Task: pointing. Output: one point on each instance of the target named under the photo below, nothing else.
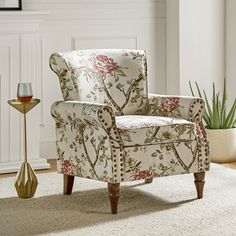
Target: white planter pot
(222, 144)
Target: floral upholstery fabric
(164, 159)
(115, 77)
(109, 128)
(145, 130)
(184, 107)
(189, 108)
(86, 139)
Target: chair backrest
(113, 76)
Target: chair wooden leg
(148, 181)
(114, 194)
(68, 184)
(199, 183)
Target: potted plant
(220, 125)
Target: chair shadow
(56, 213)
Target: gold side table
(26, 181)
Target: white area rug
(165, 207)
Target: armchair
(108, 127)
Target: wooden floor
(230, 165)
(53, 168)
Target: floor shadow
(57, 213)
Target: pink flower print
(168, 105)
(104, 65)
(200, 130)
(67, 167)
(143, 174)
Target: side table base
(26, 181)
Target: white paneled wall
(81, 24)
(20, 60)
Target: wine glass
(24, 91)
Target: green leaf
(228, 123)
(214, 109)
(231, 121)
(190, 85)
(207, 120)
(116, 78)
(154, 154)
(215, 115)
(121, 72)
(120, 87)
(224, 98)
(199, 92)
(137, 164)
(209, 110)
(217, 112)
(126, 137)
(234, 123)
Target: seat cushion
(146, 130)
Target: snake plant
(216, 116)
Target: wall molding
(106, 2)
(102, 11)
(15, 166)
(75, 40)
(20, 60)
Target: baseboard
(38, 164)
(48, 149)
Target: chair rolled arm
(186, 107)
(84, 113)
(86, 133)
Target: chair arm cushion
(84, 113)
(189, 108)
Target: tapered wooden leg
(68, 184)
(148, 181)
(114, 194)
(199, 183)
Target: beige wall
(172, 47)
(231, 48)
(201, 43)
